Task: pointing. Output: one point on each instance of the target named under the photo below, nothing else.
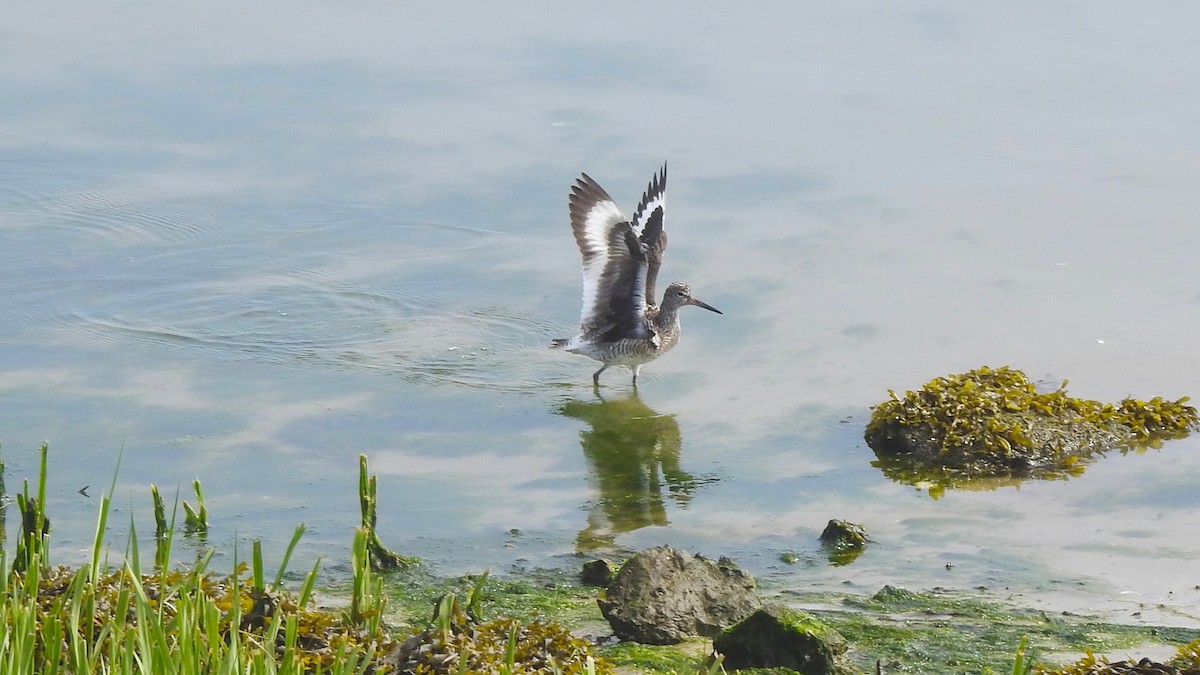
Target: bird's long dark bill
(710, 308)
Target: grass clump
(177, 621)
(97, 619)
(100, 619)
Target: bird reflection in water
(632, 453)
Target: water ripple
(116, 220)
(299, 324)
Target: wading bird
(620, 325)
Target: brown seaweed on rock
(992, 424)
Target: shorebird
(620, 325)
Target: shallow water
(248, 244)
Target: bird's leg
(635, 369)
(596, 375)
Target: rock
(992, 422)
(663, 596)
(777, 636)
(597, 573)
(843, 541)
(895, 595)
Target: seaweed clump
(993, 422)
(458, 642)
(1186, 662)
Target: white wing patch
(597, 254)
(653, 199)
(614, 266)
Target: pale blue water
(246, 244)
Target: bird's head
(679, 294)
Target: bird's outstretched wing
(614, 266)
(648, 226)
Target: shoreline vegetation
(394, 616)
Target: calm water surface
(247, 244)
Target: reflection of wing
(614, 266)
(648, 226)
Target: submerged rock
(597, 572)
(843, 541)
(777, 636)
(993, 422)
(663, 596)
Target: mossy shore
(393, 614)
(901, 631)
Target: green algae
(536, 595)
(685, 657)
(993, 423)
(972, 632)
(936, 631)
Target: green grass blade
(306, 588)
(256, 556)
(287, 556)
